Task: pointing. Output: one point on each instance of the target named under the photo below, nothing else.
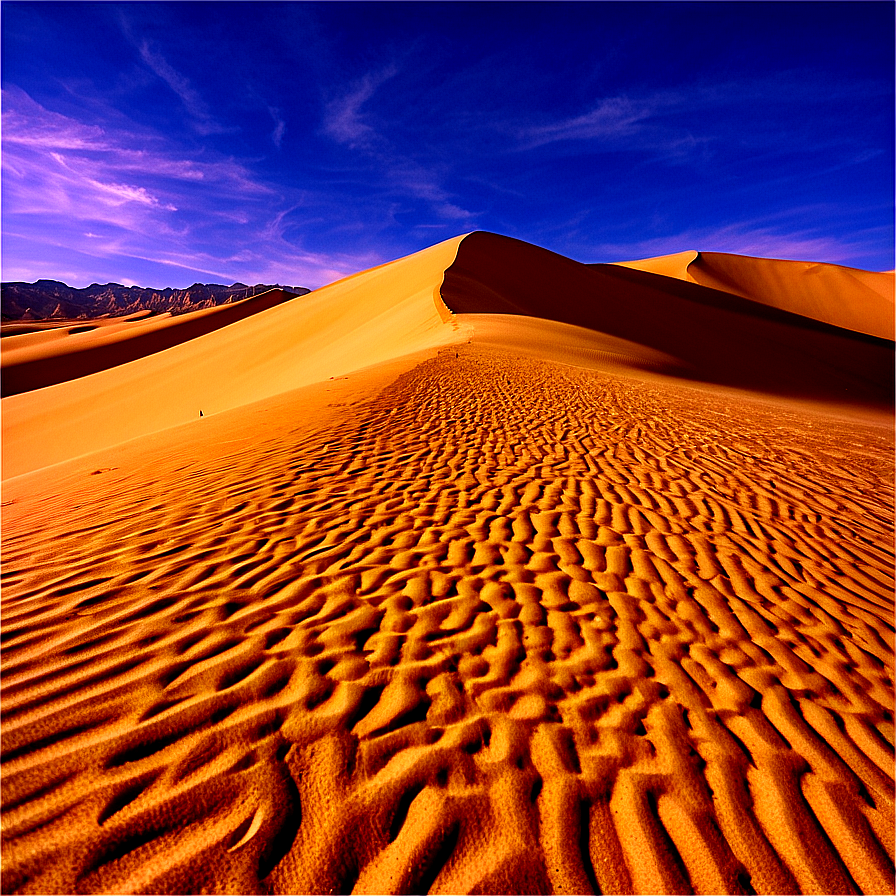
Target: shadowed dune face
(715, 336)
(861, 301)
(508, 610)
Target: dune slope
(44, 358)
(500, 612)
(713, 335)
(367, 318)
(861, 301)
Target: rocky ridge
(54, 300)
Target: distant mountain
(53, 300)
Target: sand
(42, 355)
(856, 300)
(532, 602)
(365, 319)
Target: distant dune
(856, 300)
(50, 355)
(482, 571)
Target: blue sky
(167, 143)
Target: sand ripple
(508, 627)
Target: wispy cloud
(610, 119)
(126, 193)
(344, 118)
(27, 122)
(88, 191)
(406, 179)
(397, 180)
(677, 122)
(279, 127)
(56, 165)
(203, 120)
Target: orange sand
(39, 356)
(846, 297)
(584, 587)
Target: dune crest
(862, 301)
(674, 265)
(364, 319)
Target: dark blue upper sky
(165, 143)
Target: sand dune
(713, 335)
(365, 319)
(845, 297)
(508, 605)
(57, 354)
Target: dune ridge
(364, 319)
(515, 606)
(862, 301)
(46, 357)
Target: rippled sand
(472, 619)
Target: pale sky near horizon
(161, 144)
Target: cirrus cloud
(85, 189)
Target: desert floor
(469, 619)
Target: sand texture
(503, 601)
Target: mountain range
(54, 300)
